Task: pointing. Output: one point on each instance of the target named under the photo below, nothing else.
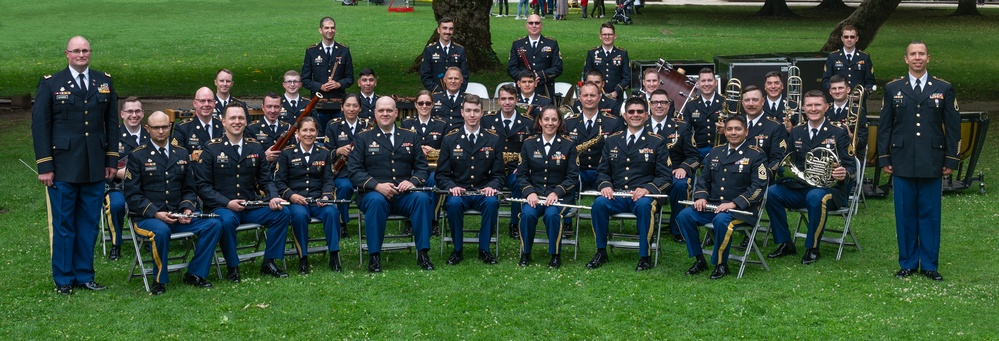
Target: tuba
(732, 104)
(793, 106)
(819, 165)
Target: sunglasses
(424, 104)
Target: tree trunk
(867, 18)
(471, 30)
(832, 5)
(967, 7)
(776, 9)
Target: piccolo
(542, 202)
(327, 201)
(193, 215)
(622, 194)
(715, 207)
(261, 203)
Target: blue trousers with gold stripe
(158, 232)
(917, 222)
(689, 220)
(116, 214)
(277, 231)
(455, 208)
(677, 192)
(344, 191)
(817, 200)
(553, 226)
(74, 211)
(415, 205)
(643, 209)
(300, 217)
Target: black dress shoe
(232, 274)
(678, 238)
(745, 242)
(269, 268)
(64, 289)
(699, 265)
(902, 273)
(157, 289)
(197, 281)
(456, 257)
(514, 231)
(335, 261)
(933, 274)
(374, 263)
(567, 230)
(720, 271)
(782, 250)
(92, 286)
(598, 259)
(303, 265)
(525, 259)
(555, 262)
(644, 263)
(487, 257)
(115, 252)
(435, 228)
(423, 260)
(343, 231)
(708, 241)
(407, 228)
(811, 256)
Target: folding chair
(468, 236)
(477, 89)
(847, 212)
(105, 226)
(629, 241)
(259, 234)
(573, 240)
(564, 90)
(751, 246)
(496, 92)
(142, 267)
(408, 239)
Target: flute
(622, 194)
(468, 193)
(327, 201)
(193, 215)
(715, 207)
(542, 202)
(261, 203)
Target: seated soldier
(636, 162)
(131, 135)
(340, 135)
(799, 193)
(303, 175)
(384, 165)
(589, 130)
(471, 169)
(159, 185)
(431, 132)
(734, 177)
(513, 127)
(682, 153)
(232, 172)
(268, 130)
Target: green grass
(170, 48)
(159, 48)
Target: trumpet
(260, 203)
(714, 207)
(541, 202)
(621, 194)
(732, 104)
(819, 165)
(193, 215)
(793, 106)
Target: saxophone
(582, 147)
(731, 106)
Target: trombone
(793, 107)
(731, 106)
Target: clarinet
(261, 203)
(715, 207)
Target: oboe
(622, 194)
(193, 215)
(715, 207)
(542, 202)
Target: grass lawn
(170, 48)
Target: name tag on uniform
(435, 56)
(296, 162)
(62, 95)
(373, 148)
(537, 155)
(319, 60)
(149, 167)
(696, 114)
(222, 159)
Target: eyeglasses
(424, 104)
(132, 112)
(636, 112)
(80, 52)
(534, 23)
(607, 34)
(292, 82)
(659, 102)
(166, 127)
(204, 101)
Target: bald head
(204, 103)
(158, 126)
(385, 112)
(78, 53)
